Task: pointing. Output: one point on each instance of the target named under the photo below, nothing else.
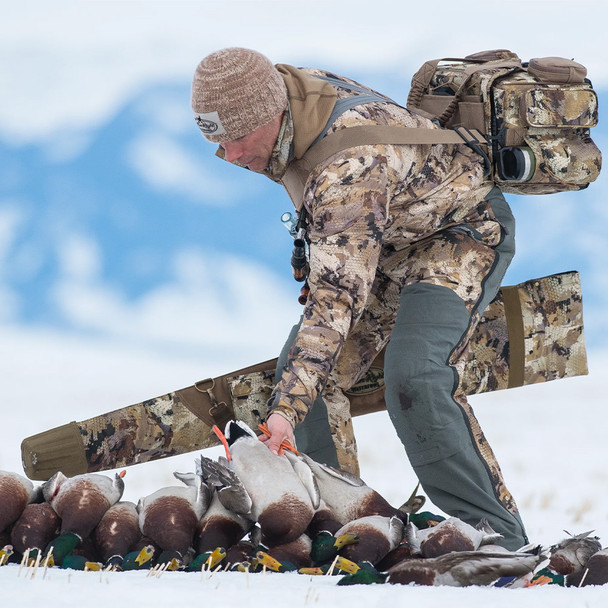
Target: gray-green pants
(431, 416)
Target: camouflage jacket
(366, 207)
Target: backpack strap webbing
(298, 171)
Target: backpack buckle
(472, 141)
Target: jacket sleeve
(348, 201)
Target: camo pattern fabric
(367, 206)
(554, 342)
(553, 333)
(555, 125)
(553, 119)
(153, 429)
(250, 393)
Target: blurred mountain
(137, 228)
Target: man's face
(254, 149)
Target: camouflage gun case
(532, 332)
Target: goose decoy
(464, 568)
(451, 534)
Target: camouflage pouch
(534, 118)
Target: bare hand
(280, 430)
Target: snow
(549, 440)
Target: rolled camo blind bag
(531, 332)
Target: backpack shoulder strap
(298, 171)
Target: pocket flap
(560, 107)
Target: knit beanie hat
(234, 92)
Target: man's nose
(232, 151)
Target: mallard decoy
(595, 571)
(425, 519)
(325, 546)
(452, 534)
(208, 560)
(464, 568)
(277, 498)
(219, 526)
(117, 532)
(5, 554)
(16, 492)
(296, 553)
(80, 562)
(82, 500)
(323, 521)
(170, 515)
(37, 526)
(238, 556)
(571, 555)
(401, 552)
(364, 576)
(139, 559)
(377, 534)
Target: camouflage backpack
(534, 117)
(529, 121)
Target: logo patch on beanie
(209, 123)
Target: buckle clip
(471, 140)
(218, 409)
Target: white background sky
(70, 63)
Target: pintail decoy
(219, 526)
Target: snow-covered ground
(549, 439)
